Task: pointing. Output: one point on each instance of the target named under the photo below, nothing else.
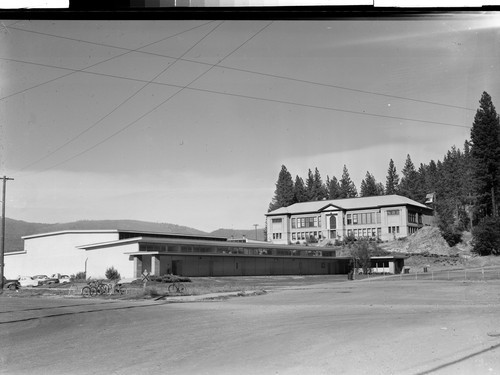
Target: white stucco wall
(56, 253)
(99, 260)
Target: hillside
(15, 229)
(428, 240)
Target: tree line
(464, 185)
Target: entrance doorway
(177, 267)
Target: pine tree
(284, 194)
(320, 189)
(333, 188)
(347, 187)
(380, 188)
(485, 152)
(310, 187)
(408, 184)
(392, 181)
(369, 186)
(299, 190)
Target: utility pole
(2, 242)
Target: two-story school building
(384, 217)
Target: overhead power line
(157, 106)
(236, 69)
(100, 62)
(118, 106)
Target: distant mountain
(239, 233)
(15, 229)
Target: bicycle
(176, 287)
(95, 287)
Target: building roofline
(139, 232)
(70, 231)
(335, 202)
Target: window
(293, 223)
(294, 236)
(412, 217)
(378, 218)
(276, 236)
(379, 232)
(392, 212)
(354, 218)
(276, 221)
(349, 219)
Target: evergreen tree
(408, 184)
(320, 189)
(310, 187)
(485, 152)
(380, 188)
(392, 180)
(283, 195)
(333, 188)
(450, 207)
(347, 187)
(431, 177)
(369, 186)
(315, 189)
(299, 190)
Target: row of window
(412, 230)
(365, 232)
(277, 236)
(296, 236)
(414, 218)
(306, 222)
(364, 218)
(393, 229)
(235, 250)
(392, 212)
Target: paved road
(338, 328)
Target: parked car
(63, 279)
(10, 284)
(45, 280)
(28, 281)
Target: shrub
(79, 276)
(486, 237)
(451, 236)
(112, 274)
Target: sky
(189, 122)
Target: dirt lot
(302, 325)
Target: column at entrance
(137, 266)
(155, 265)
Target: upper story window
(307, 222)
(412, 217)
(392, 212)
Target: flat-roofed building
(132, 253)
(385, 217)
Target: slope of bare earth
(427, 247)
